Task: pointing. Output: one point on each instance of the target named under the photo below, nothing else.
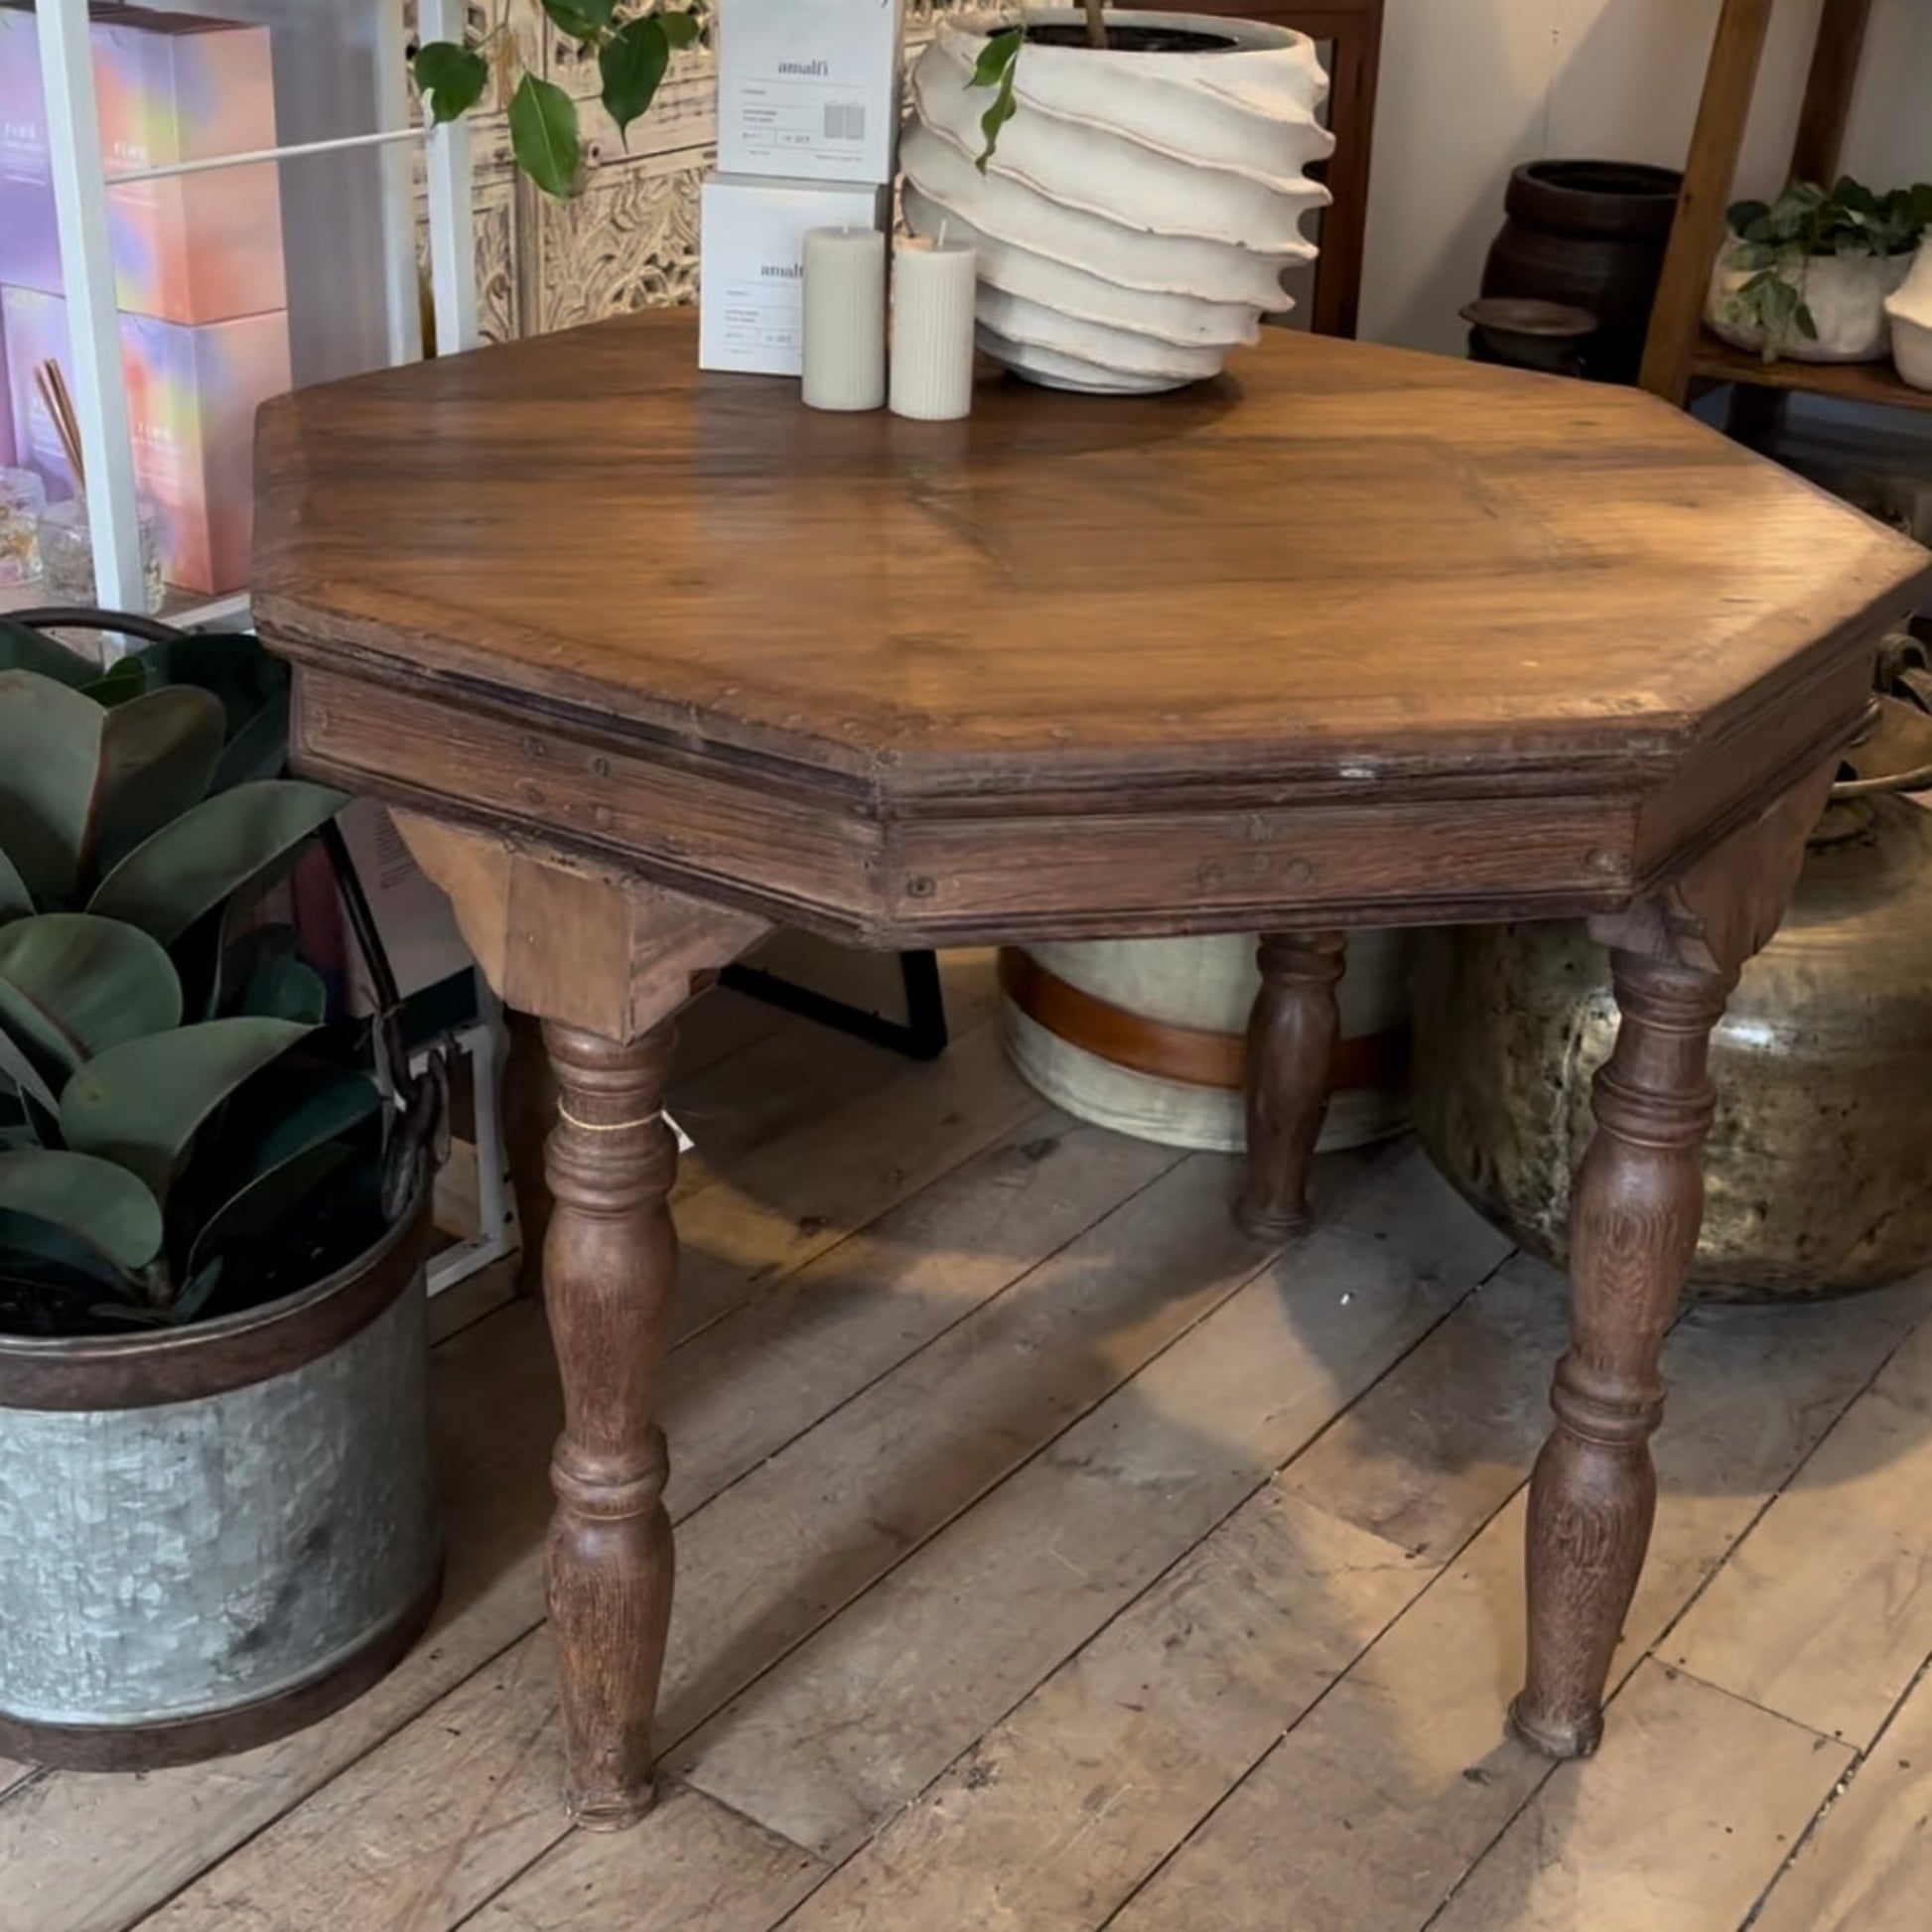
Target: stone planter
(1135, 221)
(1846, 295)
(212, 1536)
(1146, 1036)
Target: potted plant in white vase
(1807, 276)
(1132, 181)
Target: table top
(1338, 572)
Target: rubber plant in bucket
(1132, 183)
(217, 1521)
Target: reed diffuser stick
(53, 386)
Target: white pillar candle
(932, 329)
(845, 318)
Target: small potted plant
(217, 1521)
(1132, 183)
(1807, 276)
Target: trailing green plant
(632, 41)
(1776, 242)
(172, 1105)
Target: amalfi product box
(193, 395)
(751, 265)
(809, 90)
(172, 88)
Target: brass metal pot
(1819, 1171)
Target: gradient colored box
(193, 395)
(172, 88)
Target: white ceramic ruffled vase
(1134, 223)
(1909, 310)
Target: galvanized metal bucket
(213, 1536)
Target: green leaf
(128, 679)
(450, 77)
(259, 750)
(46, 1254)
(999, 61)
(583, 20)
(996, 57)
(50, 752)
(158, 753)
(681, 29)
(139, 1104)
(229, 663)
(29, 1082)
(285, 989)
(242, 957)
(93, 1201)
(632, 64)
(207, 854)
(543, 135)
(289, 1121)
(23, 649)
(15, 898)
(73, 985)
(79, 783)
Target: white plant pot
(1134, 221)
(1846, 295)
(1909, 310)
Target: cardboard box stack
(808, 108)
(198, 263)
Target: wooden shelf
(1868, 382)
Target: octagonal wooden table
(649, 661)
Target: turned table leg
(1633, 1230)
(1293, 1034)
(529, 1111)
(610, 1272)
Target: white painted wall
(1472, 87)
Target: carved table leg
(1293, 1034)
(529, 1111)
(1638, 1205)
(610, 1271)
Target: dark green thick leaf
(44, 1252)
(49, 752)
(242, 957)
(259, 750)
(15, 898)
(128, 679)
(93, 1201)
(139, 1104)
(199, 1293)
(28, 1082)
(212, 852)
(276, 1129)
(73, 985)
(285, 989)
(543, 135)
(632, 64)
(229, 663)
(451, 78)
(158, 753)
(680, 28)
(22, 649)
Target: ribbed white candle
(845, 318)
(932, 329)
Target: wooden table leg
(1633, 1230)
(529, 1112)
(1293, 1034)
(610, 1273)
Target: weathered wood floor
(1050, 1558)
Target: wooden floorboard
(1053, 1559)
